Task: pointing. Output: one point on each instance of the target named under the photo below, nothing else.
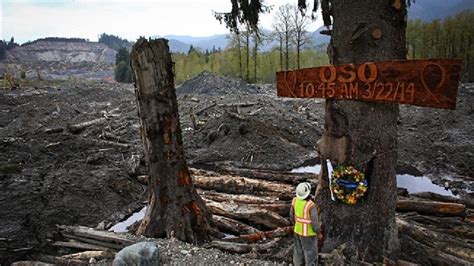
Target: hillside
(428, 10)
(60, 60)
(67, 52)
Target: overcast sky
(31, 19)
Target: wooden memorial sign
(427, 82)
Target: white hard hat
(303, 190)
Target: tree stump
(174, 207)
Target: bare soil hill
(60, 60)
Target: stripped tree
(174, 208)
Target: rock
(142, 253)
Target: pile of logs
(245, 201)
(251, 207)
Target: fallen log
(279, 176)
(106, 245)
(256, 215)
(243, 185)
(443, 198)
(79, 245)
(241, 247)
(455, 226)
(238, 198)
(252, 238)
(30, 263)
(61, 261)
(440, 258)
(230, 225)
(444, 243)
(53, 130)
(200, 111)
(242, 104)
(83, 233)
(112, 143)
(77, 128)
(281, 208)
(87, 255)
(431, 207)
(109, 136)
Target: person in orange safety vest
(304, 215)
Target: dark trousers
(305, 251)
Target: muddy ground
(52, 173)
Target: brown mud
(53, 173)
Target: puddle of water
(413, 184)
(416, 184)
(122, 226)
(307, 169)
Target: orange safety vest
(301, 211)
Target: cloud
(29, 19)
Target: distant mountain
(428, 10)
(318, 38)
(178, 46)
(182, 43)
(220, 41)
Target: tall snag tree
(283, 24)
(244, 12)
(174, 207)
(362, 134)
(301, 34)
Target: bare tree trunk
(247, 50)
(287, 48)
(173, 204)
(298, 48)
(363, 134)
(240, 55)
(255, 49)
(281, 54)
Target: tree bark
(173, 204)
(363, 134)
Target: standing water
(412, 183)
(122, 226)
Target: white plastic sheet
(330, 170)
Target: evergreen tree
(114, 42)
(122, 71)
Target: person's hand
(320, 236)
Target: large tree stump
(363, 134)
(173, 204)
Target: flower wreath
(348, 184)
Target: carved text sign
(429, 82)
